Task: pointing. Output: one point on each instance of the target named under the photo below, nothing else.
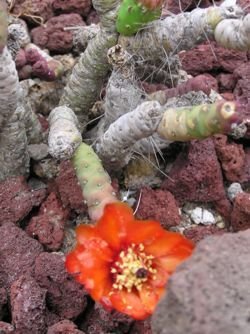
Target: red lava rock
(20, 59)
(224, 208)
(64, 327)
(18, 253)
(25, 72)
(103, 322)
(53, 36)
(142, 327)
(158, 205)
(228, 96)
(28, 8)
(231, 157)
(196, 175)
(17, 199)
(65, 297)
(69, 189)
(3, 301)
(240, 218)
(210, 57)
(27, 301)
(197, 233)
(242, 91)
(48, 226)
(226, 82)
(6, 328)
(92, 18)
(81, 7)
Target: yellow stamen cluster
(130, 263)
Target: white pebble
(202, 216)
(233, 190)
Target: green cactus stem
(3, 25)
(198, 122)
(94, 180)
(134, 15)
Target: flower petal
(167, 243)
(149, 297)
(144, 232)
(114, 223)
(170, 262)
(72, 264)
(160, 278)
(85, 232)
(129, 303)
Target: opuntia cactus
(133, 15)
(94, 180)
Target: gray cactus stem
(85, 83)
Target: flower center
(133, 268)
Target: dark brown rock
(231, 157)
(240, 218)
(65, 297)
(158, 205)
(242, 90)
(198, 233)
(69, 189)
(209, 292)
(226, 82)
(196, 175)
(18, 253)
(48, 226)
(211, 57)
(104, 322)
(35, 11)
(3, 302)
(27, 301)
(20, 59)
(81, 7)
(53, 36)
(142, 327)
(64, 327)
(17, 199)
(6, 328)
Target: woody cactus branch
(174, 124)
(64, 135)
(234, 34)
(17, 124)
(85, 83)
(178, 32)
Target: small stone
(202, 216)
(38, 151)
(233, 190)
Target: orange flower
(125, 263)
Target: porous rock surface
(210, 292)
(64, 327)
(28, 306)
(240, 218)
(216, 58)
(66, 297)
(53, 36)
(18, 253)
(196, 174)
(48, 225)
(158, 205)
(17, 199)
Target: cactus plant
(135, 14)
